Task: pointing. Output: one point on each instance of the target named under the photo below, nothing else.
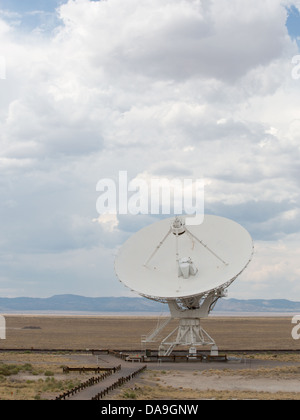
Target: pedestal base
(189, 312)
(189, 333)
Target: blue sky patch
(31, 15)
(22, 6)
(293, 23)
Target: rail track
(129, 351)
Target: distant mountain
(80, 303)
(75, 303)
(257, 305)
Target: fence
(154, 357)
(97, 369)
(95, 380)
(118, 383)
(92, 381)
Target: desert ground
(125, 332)
(26, 374)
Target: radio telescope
(188, 267)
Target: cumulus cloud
(191, 89)
(177, 40)
(274, 273)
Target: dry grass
(25, 376)
(153, 385)
(96, 332)
(48, 388)
(284, 372)
(44, 360)
(159, 392)
(77, 332)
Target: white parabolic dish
(219, 248)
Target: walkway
(127, 368)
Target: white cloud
(171, 88)
(108, 221)
(176, 40)
(274, 271)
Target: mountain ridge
(70, 302)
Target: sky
(198, 89)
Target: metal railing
(118, 383)
(92, 381)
